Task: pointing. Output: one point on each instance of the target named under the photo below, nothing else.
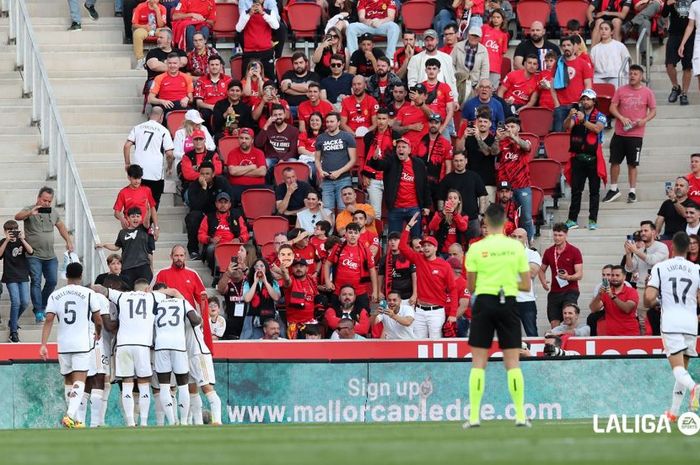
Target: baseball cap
(394, 235)
(366, 36)
(404, 140)
(590, 93)
(194, 116)
(430, 33)
(455, 263)
(475, 31)
(504, 185)
(299, 261)
(435, 117)
(197, 134)
(223, 195)
(429, 240)
(269, 83)
(420, 88)
(246, 131)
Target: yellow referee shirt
(497, 261)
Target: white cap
(194, 116)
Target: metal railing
(646, 37)
(54, 142)
(622, 73)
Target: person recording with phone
(671, 215)
(619, 303)
(261, 293)
(230, 286)
(256, 25)
(14, 250)
(396, 319)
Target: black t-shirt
(162, 56)
(676, 24)
(401, 280)
(470, 185)
(673, 221)
(136, 245)
(483, 165)
(296, 201)
(101, 279)
(295, 100)
(363, 65)
(526, 47)
(614, 6)
(244, 117)
(16, 267)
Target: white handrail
(644, 35)
(54, 142)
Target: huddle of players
(136, 333)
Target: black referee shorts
(489, 316)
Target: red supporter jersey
(406, 195)
(496, 43)
(434, 154)
(382, 142)
(368, 239)
(257, 34)
(305, 110)
(519, 86)
(141, 197)
(238, 157)
(400, 56)
(172, 88)
(222, 230)
(565, 260)
(309, 255)
(353, 263)
(359, 113)
(619, 323)
(309, 289)
(513, 164)
(306, 141)
(143, 10)
(320, 246)
(206, 8)
(408, 115)
(579, 69)
(376, 9)
(211, 92)
(545, 97)
(693, 188)
(443, 97)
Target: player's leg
(208, 388)
(96, 395)
(480, 340)
(144, 385)
(163, 368)
(105, 401)
(125, 371)
(76, 394)
(181, 368)
(195, 405)
(678, 348)
(85, 399)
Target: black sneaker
(611, 196)
(631, 197)
(93, 12)
(628, 28)
(684, 99)
(673, 96)
(75, 27)
(118, 14)
(14, 337)
(195, 256)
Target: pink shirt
(633, 104)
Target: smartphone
(668, 185)
(630, 238)
(606, 283)
(14, 233)
(44, 210)
(501, 125)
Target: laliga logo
(688, 424)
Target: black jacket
(392, 168)
(205, 200)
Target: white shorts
(202, 370)
(675, 343)
(69, 363)
(133, 361)
(99, 362)
(167, 361)
(696, 65)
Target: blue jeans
(462, 326)
(331, 192)
(118, 5)
(74, 8)
(49, 270)
(19, 299)
(443, 18)
(560, 114)
(390, 30)
(189, 35)
(399, 216)
(523, 197)
(528, 316)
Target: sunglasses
(333, 36)
(336, 65)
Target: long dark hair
(309, 131)
(251, 272)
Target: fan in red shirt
(348, 307)
(620, 305)
(262, 105)
(450, 226)
(189, 165)
(513, 156)
(190, 16)
(354, 266)
(367, 238)
(136, 195)
(694, 178)
(436, 153)
(173, 89)
(404, 54)
(304, 250)
(412, 120)
(380, 141)
(545, 80)
(494, 37)
(359, 109)
(519, 87)
(300, 292)
(314, 104)
(580, 74)
(222, 226)
(439, 98)
(211, 88)
(246, 164)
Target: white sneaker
(140, 63)
(523, 424)
(467, 424)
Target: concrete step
(62, 61)
(122, 87)
(53, 9)
(88, 118)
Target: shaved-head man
(535, 44)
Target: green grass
(548, 442)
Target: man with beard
(470, 187)
(278, 140)
(300, 292)
(411, 121)
(399, 94)
(440, 98)
(295, 82)
(338, 83)
(580, 75)
(536, 45)
(246, 165)
(358, 111)
(404, 54)
(620, 305)
(231, 113)
(363, 61)
(436, 153)
(381, 84)
(504, 197)
(348, 309)
(478, 144)
(519, 88)
(396, 318)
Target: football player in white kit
(172, 315)
(675, 284)
(74, 306)
(201, 375)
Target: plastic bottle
(151, 24)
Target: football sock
(633, 190)
(682, 376)
(76, 396)
(613, 187)
(677, 398)
(215, 406)
(196, 409)
(183, 402)
(166, 402)
(128, 403)
(477, 377)
(67, 388)
(96, 408)
(82, 410)
(516, 386)
(105, 402)
(144, 402)
(160, 414)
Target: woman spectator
(253, 83)
(183, 136)
(230, 286)
(450, 226)
(693, 254)
(260, 292)
(313, 213)
(307, 141)
(342, 13)
(495, 38)
(332, 45)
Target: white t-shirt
(103, 305)
(532, 257)
(171, 314)
(608, 58)
(677, 280)
(73, 306)
(694, 14)
(151, 139)
(136, 316)
(307, 220)
(218, 327)
(395, 330)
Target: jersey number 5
(69, 314)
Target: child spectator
(548, 95)
(138, 196)
(217, 323)
(14, 250)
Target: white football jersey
(136, 311)
(677, 280)
(150, 140)
(171, 321)
(195, 340)
(73, 306)
(103, 305)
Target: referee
(497, 269)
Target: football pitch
(497, 442)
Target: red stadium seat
(265, 228)
(669, 244)
(361, 196)
(300, 168)
(257, 203)
(304, 19)
(556, 146)
(546, 174)
(236, 64)
(537, 208)
(282, 65)
(571, 9)
(267, 249)
(506, 67)
(225, 25)
(418, 15)
(534, 144)
(604, 92)
(529, 11)
(226, 144)
(537, 120)
(223, 254)
(174, 120)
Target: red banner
(381, 350)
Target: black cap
(299, 261)
(366, 36)
(435, 117)
(394, 235)
(420, 88)
(504, 185)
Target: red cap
(246, 131)
(198, 134)
(403, 139)
(429, 240)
